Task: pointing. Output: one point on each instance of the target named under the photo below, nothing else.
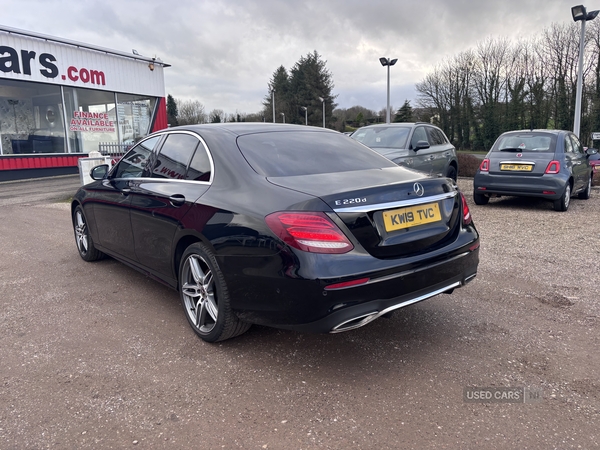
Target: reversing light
(309, 231)
(553, 167)
(485, 165)
(466, 212)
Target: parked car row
(288, 226)
(302, 228)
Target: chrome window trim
(398, 204)
(157, 152)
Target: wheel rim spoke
(197, 272)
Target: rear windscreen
(280, 154)
(526, 142)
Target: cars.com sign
(44, 59)
(24, 61)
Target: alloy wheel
(199, 294)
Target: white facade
(32, 57)
(62, 96)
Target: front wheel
(562, 204)
(452, 173)
(83, 239)
(205, 298)
(585, 195)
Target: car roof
(398, 124)
(241, 128)
(537, 131)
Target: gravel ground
(98, 356)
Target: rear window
(382, 137)
(526, 142)
(282, 154)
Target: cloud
(224, 53)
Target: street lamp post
(387, 62)
(273, 102)
(305, 114)
(579, 13)
(323, 100)
(283, 115)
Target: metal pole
(387, 111)
(323, 112)
(577, 123)
(306, 115)
(273, 102)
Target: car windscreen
(382, 137)
(293, 153)
(526, 142)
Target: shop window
(135, 116)
(31, 118)
(92, 118)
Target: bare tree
(217, 116)
(190, 112)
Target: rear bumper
(520, 186)
(305, 305)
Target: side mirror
(99, 172)
(591, 151)
(421, 145)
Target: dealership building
(61, 100)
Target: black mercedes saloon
(288, 226)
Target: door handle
(125, 191)
(177, 199)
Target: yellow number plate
(398, 219)
(517, 167)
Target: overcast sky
(224, 53)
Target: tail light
(553, 167)
(466, 211)
(309, 231)
(485, 165)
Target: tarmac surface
(39, 190)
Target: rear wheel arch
(183, 243)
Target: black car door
(163, 195)
(111, 201)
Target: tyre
(480, 199)
(452, 173)
(562, 204)
(85, 244)
(205, 298)
(585, 194)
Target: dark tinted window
(134, 161)
(174, 156)
(525, 142)
(382, 137)
(419, 135)
(568, 145)
(577, 147)
(436, 137)
(199, 169)
(305, 153)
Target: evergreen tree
(172, 111)
(405, 113)
(307, 83)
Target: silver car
(418, 146)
